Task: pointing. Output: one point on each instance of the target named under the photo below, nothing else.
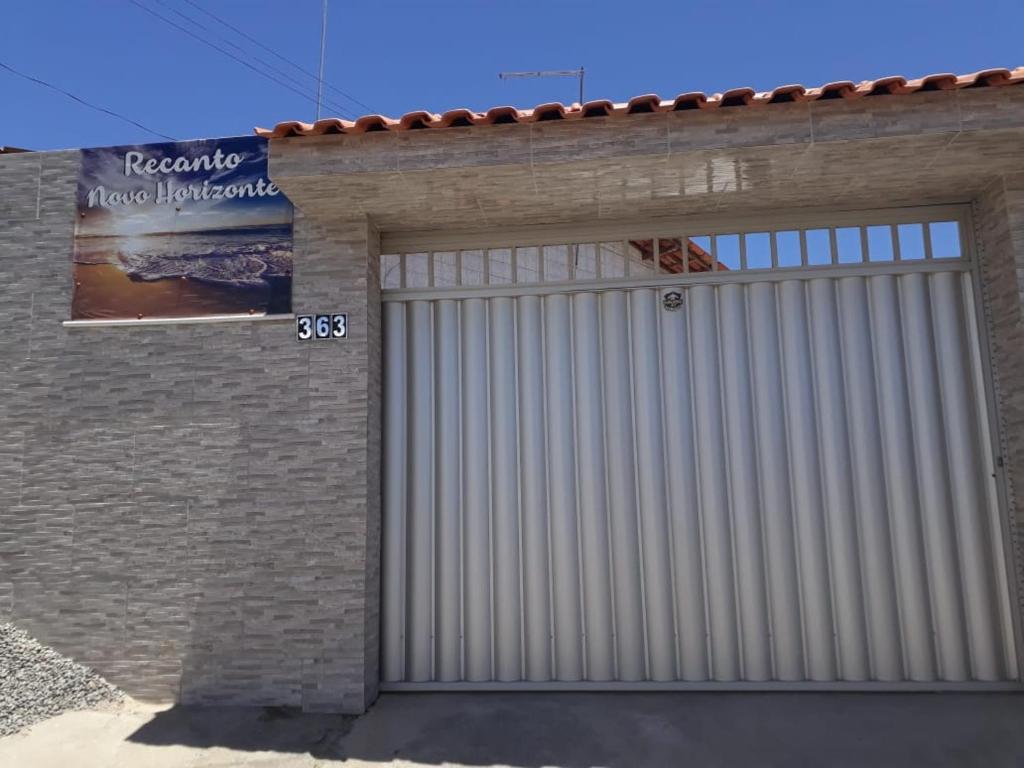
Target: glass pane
(390, 271)
(613, 260)
(586, 261)
(911, 241)
(501, 265)
(945, 239)
(728, 249)
(819, 249)
(528, 264)
(759, 250)
(880, 243)
(788, 246)
(416, 270)
(848, 245)
(445, 274)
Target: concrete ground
(573, 730)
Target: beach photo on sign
(189, 229)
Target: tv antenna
(323, 53)
(577, 73)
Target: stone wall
(193, 510)
(999, 236)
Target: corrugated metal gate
(786, 478)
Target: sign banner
(186, 229)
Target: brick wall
(193, 510)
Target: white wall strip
(177, 320)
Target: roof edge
(894, 85)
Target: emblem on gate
(672, 300)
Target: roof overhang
(934, 147)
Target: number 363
(321, 327)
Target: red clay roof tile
(648, 103)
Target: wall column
(336, 270)
(999, 234)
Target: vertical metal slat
(622, 487)
(476, 493)
(651, 468)
(929, 444)
(593, 506)
(741, 460)
(420, 510)
(448, 492)
(714, 494)
(805, 477)
(505, 491)
(915, 613)
(395, 498)
(834, 446)
(533, 491)
(879, 580)
(562, 490)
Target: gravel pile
(36, 682)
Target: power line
(216, 47)
(271, 51)
(83, 101)
(246, 53)
(230, 55)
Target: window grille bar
(894, 233)
(646, 258)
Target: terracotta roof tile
(412, 121)
(692, 100)
(737, 97)
(649, 103)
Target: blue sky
(399, 55)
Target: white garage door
(758, 477)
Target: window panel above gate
(550, 256)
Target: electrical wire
(271, 51)
(291, 79)
(83, 102)
(216, 47)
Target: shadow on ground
(627, 730)
(246, 729)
